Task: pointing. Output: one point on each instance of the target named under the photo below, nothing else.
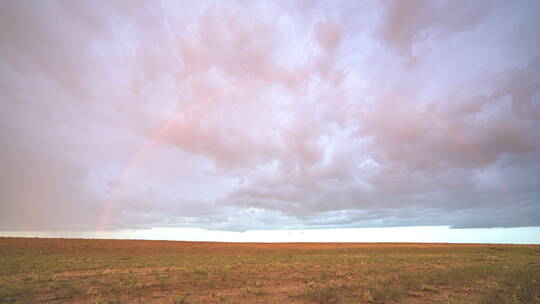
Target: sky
(271, 117)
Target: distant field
(125, 271)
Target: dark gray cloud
(269, 115)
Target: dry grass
(124, 271)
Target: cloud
(271, 115)
(406, 24)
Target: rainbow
(156, 137)
(141, 153)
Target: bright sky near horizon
(431, 234)
(252, 120)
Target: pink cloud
(269, 115)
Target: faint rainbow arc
(147, 146)
(139, 155)
(481, 158)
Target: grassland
(126, 271)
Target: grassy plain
(127, 271)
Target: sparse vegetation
(179, 300)
(121, 271)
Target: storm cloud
(269, 114)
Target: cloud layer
(269, 115)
